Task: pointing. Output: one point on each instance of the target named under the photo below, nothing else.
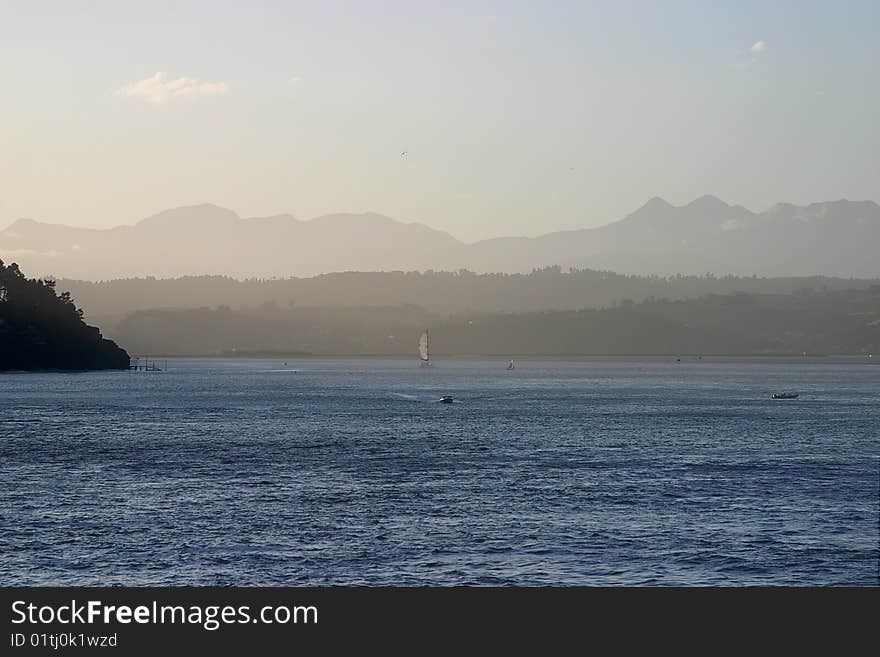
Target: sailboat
(509, 365)
(424, 359)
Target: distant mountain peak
(657, 203)
(707, 202)
(26, 225)
(190, 215)
(23, 223)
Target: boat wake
(401, 395)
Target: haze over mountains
(835, 238)
(815, 323)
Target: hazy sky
(517, 117)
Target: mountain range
(834, 238)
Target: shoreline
(524, 358)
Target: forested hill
(839, 322)
(550, 288)
(42, 330)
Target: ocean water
(315, 472)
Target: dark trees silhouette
(43, 330)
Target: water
(600, 472)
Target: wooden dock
(145, 365)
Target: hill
(839, 322)
(41, 330)
(441, 292)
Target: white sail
(423, 348)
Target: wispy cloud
(11, 254)
(160, 90)
(746, 59)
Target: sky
(477, 118)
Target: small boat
(446, 399)
(510, 365)
(784, 395)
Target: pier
(145, 365)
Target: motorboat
(446, 399)
(784, 395)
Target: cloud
(159, 90)
(749, 58)
(11, 254)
